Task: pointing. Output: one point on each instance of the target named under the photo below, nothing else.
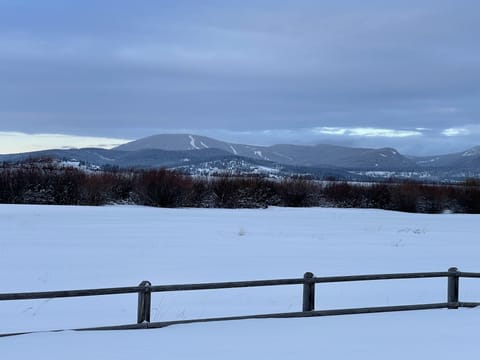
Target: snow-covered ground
(56, 248)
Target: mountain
(174, 142)
(184, 142)
(338, 156)
(297, 155)
(200, 155)
(194, 162)
(467, 160)
(144, 158)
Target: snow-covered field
(56, 248)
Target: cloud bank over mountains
(404, 74)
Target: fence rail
(225, 285)
(145, 290)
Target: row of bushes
(164, 188)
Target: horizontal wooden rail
(70, 293)
(224, 285)
(299, 314)
(468, 304)
(145, 289)
(420, 275)
(468, 274)
(303, 314)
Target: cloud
(358, 72)
(330, 130)
(455, 132)
(16, 142)
(367, 132)
(432, 143)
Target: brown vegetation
(45, 183)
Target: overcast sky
(403, 73)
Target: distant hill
(469, 159)
(313, 156)
(144, 158)
(200, 155)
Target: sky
(404, 74)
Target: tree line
(50, 184)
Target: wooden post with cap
(144, 302)
(308, 292)
(453, 282)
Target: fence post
(144, 302)
(452, 297)
(308, 292)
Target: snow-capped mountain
(468, 159)
(298, 155)
(203, 155)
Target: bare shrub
(163, 188)
(45, 182)
(298, 192)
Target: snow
(472, 152)
(394, 336)
(71, 163)
(234, 150)
(260, 155)
(57, 248)
(78, 165)
(267, 170)
(428, 161)
(192, 143)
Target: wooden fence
(145, 290)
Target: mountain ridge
(287, 154)
(201, 155)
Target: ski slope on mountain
(57, 248)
